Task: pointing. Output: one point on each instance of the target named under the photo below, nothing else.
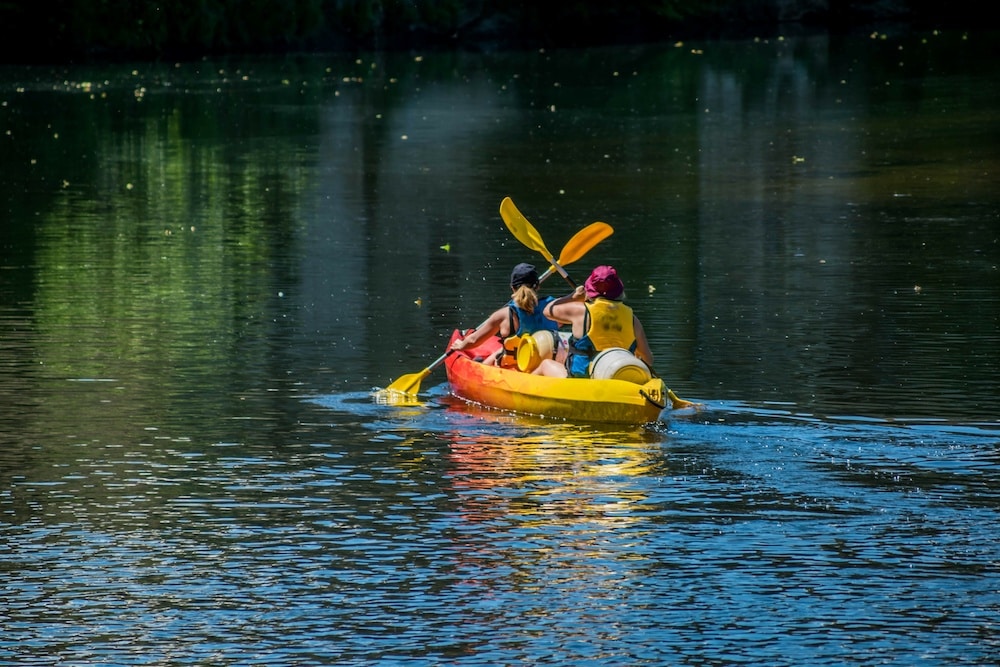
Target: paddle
(526, 233)
(578, 246)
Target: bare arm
(569, 309)
(642, 349)
(488, 328)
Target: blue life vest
(531, 322)
(526, 323)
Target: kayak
(576, 399)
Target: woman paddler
(521, 315)
(600, 321)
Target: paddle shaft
(552, 270)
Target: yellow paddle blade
(583, 241)
(409, 384)
(522, 230)
(394, 398)
(679, 403)
(578, 246)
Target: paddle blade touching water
(410, 383)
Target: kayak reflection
(551, 474)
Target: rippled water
(208, 267)
(433, 533)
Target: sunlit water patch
(437, 532)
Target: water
(207, 267)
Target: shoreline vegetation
(110, 30)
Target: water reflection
(206, 267)
(439, 532)
(560, 471)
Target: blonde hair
(525, 298)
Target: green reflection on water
(191, 226)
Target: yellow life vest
(611, 325)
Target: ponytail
(526, 299)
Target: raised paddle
(578, 246)
(526, 233)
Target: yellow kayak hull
(575, 399)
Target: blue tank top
(531, 322)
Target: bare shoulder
(565, 308)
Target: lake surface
(206, 268)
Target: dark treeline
(149, 29)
